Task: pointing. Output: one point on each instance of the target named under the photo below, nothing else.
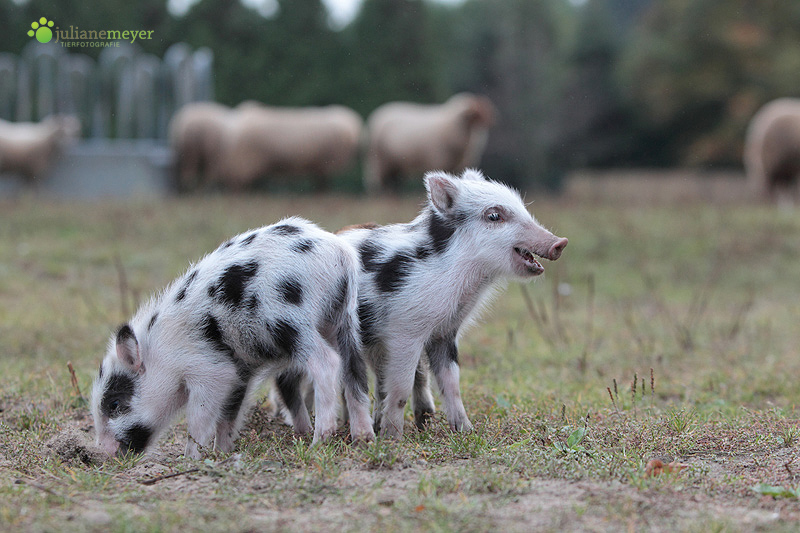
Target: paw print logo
(41, 30)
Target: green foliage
(595, 123)
(513, 52)
(395, 55)
(708, 66)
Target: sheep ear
(128, 349)
(442, 190)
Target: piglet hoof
(390, 431)
(422, 418)
(323, 437)
(362, 439)
(461, 425)
(301, 431)
(192, 450)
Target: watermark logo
(41, 29)
(75, 37)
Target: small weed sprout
(304, 452)
(381, 453)
(680, 419)
(765, 489)
(790, 435)
(122, 463)
(326, 459)
(573, 443)
(468, 445)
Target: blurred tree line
(592, 83)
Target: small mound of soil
(72, 444)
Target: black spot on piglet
(125, 333)
(265, 352)
(440, 232)
(152, 321)
(231, 285)
(117, 395)
(303, 245)
(339, 297)
(136, 438)
(285, 229)
(369, 252)
(285, 336)
(253, 303)
(422, 252)
(289, 387)
(291, 291)
(392, 274)
(213, 335)
(189, 279)
(368, 318)
(230, 409)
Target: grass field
(667, 332)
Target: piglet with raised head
(421, 282)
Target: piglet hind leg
(323, 366)
(361, 429)
(290, 388)
(443, 356)
(356, 386)
(397, 394)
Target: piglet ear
(442, 190)
(128, 349)
(473, 174)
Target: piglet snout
(556, 249)
(109, 445)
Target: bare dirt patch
(72, 444)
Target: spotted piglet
(282, 298)
(421, 282)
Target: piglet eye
(494, 216)
(117, 408)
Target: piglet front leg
(443, 357)
(422, 398)
(205, 407)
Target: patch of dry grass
(702, 297)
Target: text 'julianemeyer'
(101, 35)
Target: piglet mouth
(534, 267)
